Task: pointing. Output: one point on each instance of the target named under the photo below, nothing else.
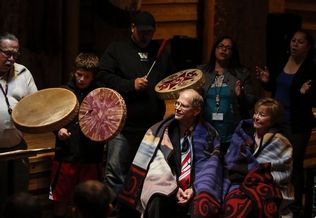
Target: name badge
(217, 116)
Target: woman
(258, 166)
(292, 83)
(228, 91)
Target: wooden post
(208, 29)
(71, 37)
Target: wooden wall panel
(145, 2)
(174, 17)
(170, 29)
(173, 12)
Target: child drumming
(77, 158)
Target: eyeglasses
(227, 47)
(179, 105)
(260, 114)
(8, 54)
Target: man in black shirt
(124, 68)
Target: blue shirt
(282, 93)
(226, 126)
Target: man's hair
(9, 36)
(87, 61)
(197, 99)
(92, 199)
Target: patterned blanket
(257, 183)
(151, 174)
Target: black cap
(144, 21)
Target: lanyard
(218, 84)
(5, 92)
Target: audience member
(77, 158)
(22, 205)
(177, 169)
(292, 83)
(228, 90)
(16, 82)
(92, 199)
(258, 166)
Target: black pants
(299, 142)
(165, 207)
(14, 173)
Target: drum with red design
(46, 110)
(102, 114)
(171, 86)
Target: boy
(77, 158)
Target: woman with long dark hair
(228, 90)
(292, 83)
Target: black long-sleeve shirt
(120, 65)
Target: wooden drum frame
(46, 110)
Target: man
(177, 168)
(16, 82)
(124, 68)
(92, 199)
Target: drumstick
(160, 51)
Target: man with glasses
(177, 168)
(16, 82)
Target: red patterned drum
(102, 114)
(45, 110)
(171, 86)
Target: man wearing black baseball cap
(144, 21)
(124, 67)
(143, 27)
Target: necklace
(5, 92)
(218, 83)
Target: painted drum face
(171, 86)
(102, 114)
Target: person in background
(293, 84)
(177, 169)
(77, 158)
(92, 199)
(228, 91)
(22, 205)
(258, 166)
(16, 82)
(124, 67)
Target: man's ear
(197, 111)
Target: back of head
(22, 205)
(92, 199)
